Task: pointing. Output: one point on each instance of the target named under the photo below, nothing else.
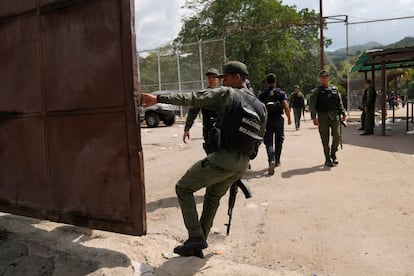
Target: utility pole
(321, 42)
(348, 70)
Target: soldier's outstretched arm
(148, 100)
(218, 99)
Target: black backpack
(273, 102)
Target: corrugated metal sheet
(70, 147)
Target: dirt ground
(353, 219)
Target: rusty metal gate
(70, 148)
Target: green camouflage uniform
(368, 113)
(297, 103)
(218, 171)
(326, 105)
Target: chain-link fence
(173, 69)
(179, 68)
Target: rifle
(232, 199)
(342, 123)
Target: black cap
(234, 67)
(324, 73)
(271, 78)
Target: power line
(380, 20)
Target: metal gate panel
(23, 166)
(70, 148)
(89, 160)
(82, 58)
(8, 8)
(19, 67)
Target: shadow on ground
(256, 174)
(33, 251)
(169, 202)
(304, 171)
(183, 266)
(396, 140)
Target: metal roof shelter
(384, 59)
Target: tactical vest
(297, 101)
(241, 128)
(209, 118)
(328, 99)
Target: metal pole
(177, 53)
(138, 69)
(225, 50)
(373, 76)
(321, 41)
(348, 81)
(200, 53)
(407, 122)
(383, 96)
(159, 70)
(395, 97)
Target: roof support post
(373, 76)
(383, 97)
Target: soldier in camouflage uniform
(243, 119)
(326, 107)
(209, 116)
(368, 109)
(297, 103)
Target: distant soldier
(276, 102)
(209, 116)
(368, 109)
(297, 103)
(326, 107)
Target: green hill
(405, 42)
(340, 54)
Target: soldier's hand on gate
(148, 99)
(315, 122)
(186, 136)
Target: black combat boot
(328, 162)
(272, 165)
(192, 247)
(334, 159)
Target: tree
(260, 34)
(410, 90)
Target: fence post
(159, 70)
(177, 53)
(200, 53)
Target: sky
(159, 21)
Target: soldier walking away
(209, 116)
(368, 109)
(326, 107)
(276, 102)
(242, 124)
(297, 103)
